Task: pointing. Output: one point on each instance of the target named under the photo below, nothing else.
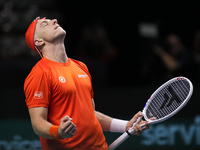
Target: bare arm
(39, 121)
(105, 122)
(103, 119)
(41, 126)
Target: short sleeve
(37, 88)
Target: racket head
(168, 99)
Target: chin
(62, 32)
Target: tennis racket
(165, 102)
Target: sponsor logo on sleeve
(38, 95)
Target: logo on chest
(62, 79)
(82, 76)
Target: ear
(39, 42)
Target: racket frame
(175, 111)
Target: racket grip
(142, 125)
(131, 130)
(138, 119)
(118, 141)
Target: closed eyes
(44, 24)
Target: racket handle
(124, 136)
(142, 125)
(118, 141)
(131, 130)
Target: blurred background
(130, 48)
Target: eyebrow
(43, 21)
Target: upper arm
(38, 112)
(39, 121)
(37, 88)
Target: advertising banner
(175, 133)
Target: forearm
(104, 120)
(111, 124)
(116, 125)
(41, 128)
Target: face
(49, 30)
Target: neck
(55, 52)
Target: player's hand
(138, 129)
(67, 128)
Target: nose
(54, 21)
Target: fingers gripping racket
(165, 102)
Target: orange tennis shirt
(65, 89)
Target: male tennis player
(59, 95)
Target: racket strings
(168, 99)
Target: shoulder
(42, 66)
(40, 69)
(82, 66)
(79, 63)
